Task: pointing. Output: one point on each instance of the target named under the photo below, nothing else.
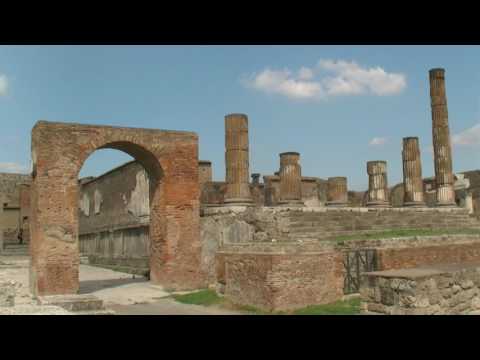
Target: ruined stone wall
(314, 190)
(438, 290)
(279, 281)
(114, 215)
(281, 276)
(429, 187)
(116, 199)
(10, 185)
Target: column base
(378, 204)
(296, 203)
(446, 204)
(414, 204)
(238, 202)
(336, 204)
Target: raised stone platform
(78, 304)
(428, 290)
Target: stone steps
(82, 304)
(15, 250)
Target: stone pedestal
(377, 184)
(290, 179)
(412, 173)
(337, 194)
(441, 139)
(237, 160)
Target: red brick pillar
(337, 194)
(237, 161)
(412, 173)
(290, 179)
(442, 150)
(377, 184)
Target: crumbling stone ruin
(287, 242)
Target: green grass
(208, 297)
(346, 307)
(407, 232)
(204, 297)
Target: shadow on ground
(89, 286)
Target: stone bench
(431, 290)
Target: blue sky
(339, 106)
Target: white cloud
(469, 137)
(282, 82)
(344, 78)
(11, 167)
(3, 85)
(378, 141)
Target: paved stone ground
(169, 307)
(121, 292)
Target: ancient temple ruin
(275, 244)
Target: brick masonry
(171, 160)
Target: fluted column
(412, 173)
(290, 179)
(377, 184)
(236, 160)
(442, 151)
(337, 194)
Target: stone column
(290, 179)
(412, 173)
(441, 140)
(337, 194)
(377, 184)
(236, 160)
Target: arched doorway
(171, 160)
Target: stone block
(7, 293)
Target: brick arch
(59, 151)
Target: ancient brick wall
(402, 258)
(276, 275)
(171, 160)
(273, 281)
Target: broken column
(337, 194)
(441, 140)
(290, 179)
(236, 160)
(412, 173)
(377, 184)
